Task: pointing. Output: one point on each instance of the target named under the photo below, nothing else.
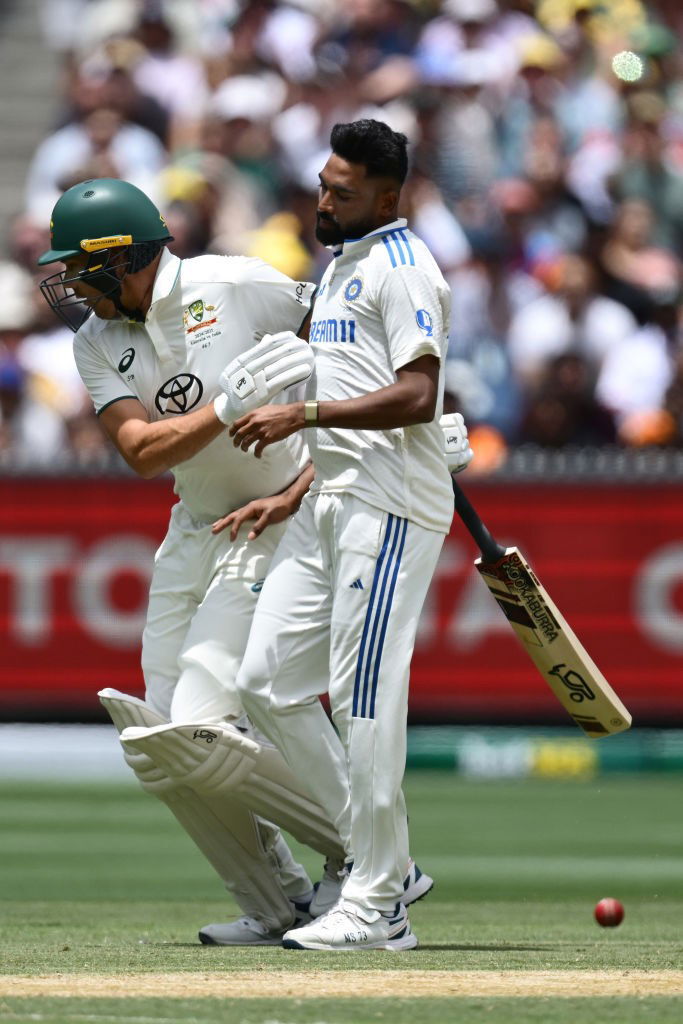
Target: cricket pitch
(345, 984)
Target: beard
(329, 231)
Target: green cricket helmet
(117, 227)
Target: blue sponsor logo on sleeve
(424, 322)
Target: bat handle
(491, 551)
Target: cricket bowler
(339, 608)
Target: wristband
(310, 413)
(223, 410)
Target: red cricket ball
(609, 913)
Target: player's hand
(456, 443)
(254, 378)
(266, 511)
(266, 425)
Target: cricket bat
(548, 639)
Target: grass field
(103, 895)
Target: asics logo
(126, 359)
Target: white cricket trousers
(202, 597)
(341, 603)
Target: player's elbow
(149, 472)
(423, 406)
(143, 462)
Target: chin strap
(141, 255)
(136, 315)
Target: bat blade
(552, 645)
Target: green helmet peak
(99, 214)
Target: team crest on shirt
(425, 322)
(198, 316)
(353, 289)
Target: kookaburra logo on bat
(579, 690)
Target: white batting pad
(250, 857)
(218, 759)
(125, 710)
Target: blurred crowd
(546, 147)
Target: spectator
(103, 145)
(30, 432)
(636, 376)
(649, 171)
(572, 319)
(563, 409)
(633, 265)
(176, 80)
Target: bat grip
(491, 551)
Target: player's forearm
(398, 405)
(154, 448)
(300, 486)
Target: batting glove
(258, 375)
(456, 444)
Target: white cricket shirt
(204, 312)
(381, 304)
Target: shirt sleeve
(275, 301)
(412, 313)
(105, 385)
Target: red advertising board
(76, 555)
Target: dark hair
(374, 145)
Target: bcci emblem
(353, 289)
(424, 322)
(196, 310)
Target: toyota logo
(179, 394)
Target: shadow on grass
(491, 947)
(424, 947)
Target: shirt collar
(353, 244)
(168, 274)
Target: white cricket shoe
(328, 890)
(249, 931)
(416, 884)
(349, 926)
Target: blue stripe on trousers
(379, 607)
(387, 609)
(368, 614)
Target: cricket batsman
(176, 351)
(350, 575)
